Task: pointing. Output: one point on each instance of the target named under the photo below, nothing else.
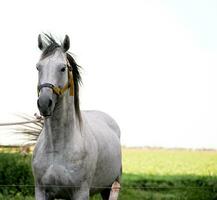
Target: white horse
(77, 153)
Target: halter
(58, 90)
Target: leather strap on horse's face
(59, 91)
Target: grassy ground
(163, 174)
(170, 174)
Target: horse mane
(77, 82)
(51, 46)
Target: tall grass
(147, 174)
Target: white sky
(152, 65)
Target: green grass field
(170, 174)
(162, 174)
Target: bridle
(60, 90)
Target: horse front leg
(40, 194)
(82, 193)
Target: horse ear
(66, 43)
(40, 42)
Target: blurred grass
(169, 162)
(162, 174)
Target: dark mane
(51, 46)
(77, 82)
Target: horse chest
(59, 169)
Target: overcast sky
(152, 65)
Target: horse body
(92, 157)
(107, 139)
(73, 158)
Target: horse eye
(63, 69)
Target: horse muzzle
(45, 102)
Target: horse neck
(62, 127)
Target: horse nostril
(50, 103)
